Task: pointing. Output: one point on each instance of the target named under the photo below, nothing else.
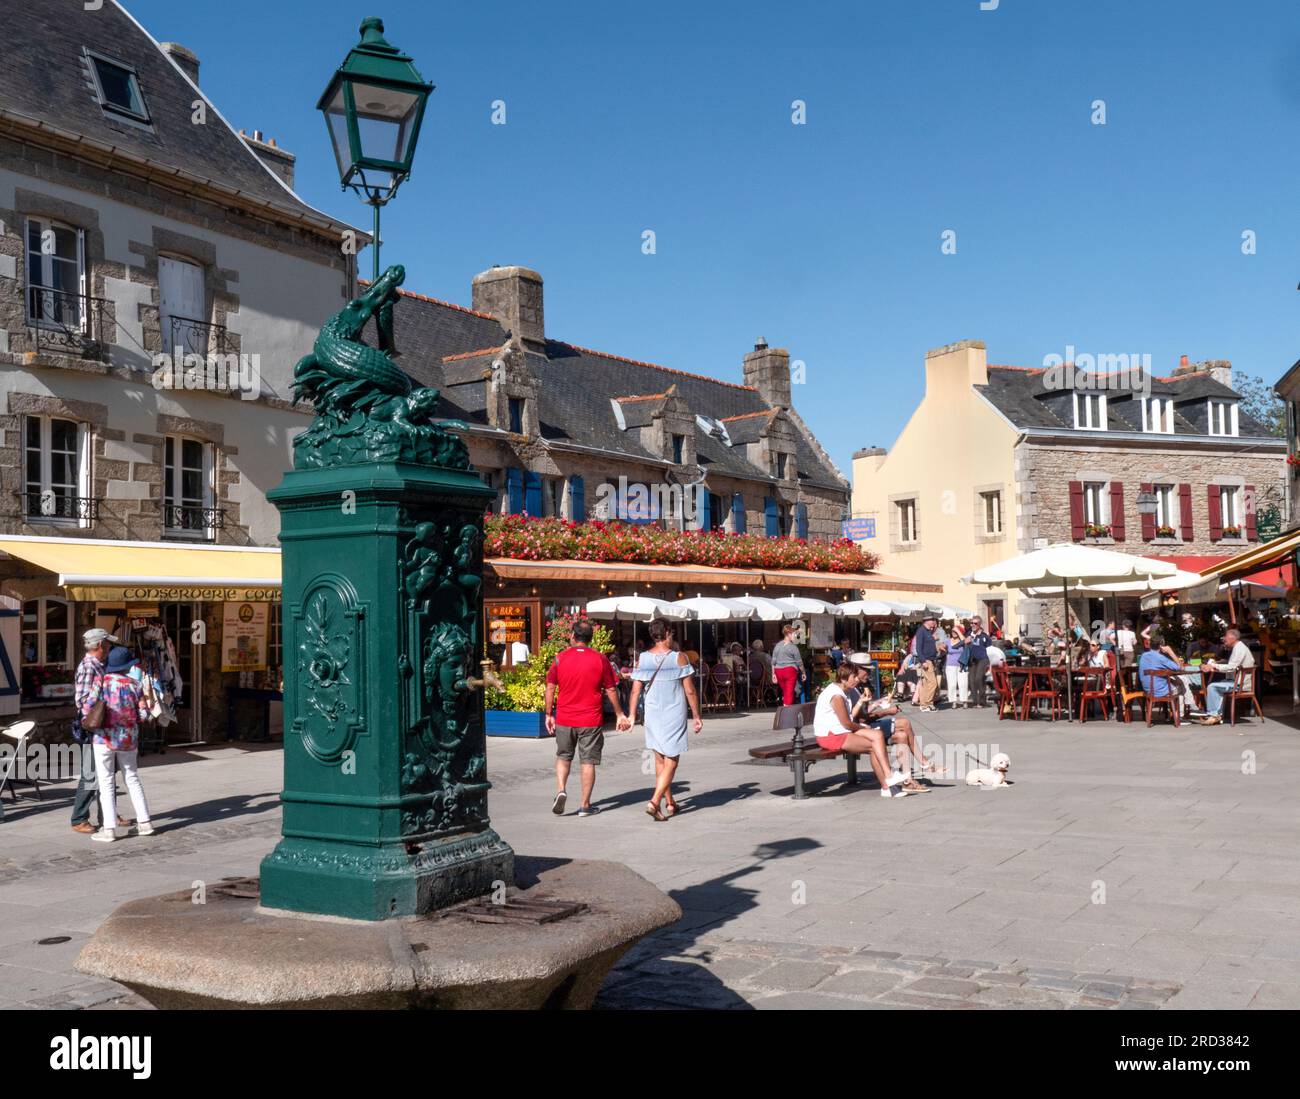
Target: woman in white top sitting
(837, 732)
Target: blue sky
(922, 116)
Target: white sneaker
(145, 829)
(897, 778)
(105, 835)
(894, 792)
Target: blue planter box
(531, 724)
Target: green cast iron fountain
(385, 798)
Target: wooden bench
(801, 751)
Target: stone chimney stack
(277, 159)
(767, 369)
(513, 295)
(1220, 370)
(187, 59)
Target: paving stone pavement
(1125, 869)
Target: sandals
(652, 810)
(672, 808)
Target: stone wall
(1044, 473)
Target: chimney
(1220, 370)
(767, 369)
(513, 295)
(187, 59)
(277, 159)
(954, 368)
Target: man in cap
(97, 642)
(927, 656)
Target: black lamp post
(373, 107)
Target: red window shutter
(1216, 516)
(1185, 506)
(1076, 510)
(1252, 535)
(1148, 521)
(1117, 510)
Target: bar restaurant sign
(243, 637)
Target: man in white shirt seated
(1240, 657)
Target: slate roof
(576, 386)
(1021, 395)
(45, 76)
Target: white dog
(991, 776)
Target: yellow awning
(101, 569)
(1257, 557)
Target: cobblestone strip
(677, 971)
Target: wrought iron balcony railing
(67, 322)
(52, 505)
(191, 521)
(194, 337)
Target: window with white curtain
(1158, 415)
(1090, 411)
(56, 470)
(1224, 418)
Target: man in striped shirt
(97, 643)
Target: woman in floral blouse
(116, 741)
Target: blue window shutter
(769, 515)
(705, 509)
(801, 520)
(577, 500)
(515, 490)
(737, 513)
(532, 492)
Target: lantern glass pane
(337, 116)
(385, 121)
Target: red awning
(1281, 575)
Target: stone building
(561, 430)
(136, 223)
(999, 460)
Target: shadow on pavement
(664, 970)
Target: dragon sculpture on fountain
(367, 408)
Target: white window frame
(1096, 512)
(43, 477)
(1083, 402)
(43, 632)
(1230, 509)
(906, 522)
(47, 270)
(1169, 506)
(171, 476)
(1223, 418)
(1158, 415)
(992, 501)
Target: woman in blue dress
(666, 677)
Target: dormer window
(516, 415)
(1223, 419)
(1090, 411)
(679, 448)
(1158, 415)
(781, 458)
(118, 88)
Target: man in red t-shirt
(580, 674)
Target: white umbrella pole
(1069, 653)
(749, 679)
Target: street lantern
(373, 108)
(1147, 504)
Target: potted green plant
(514, 704)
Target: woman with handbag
(669, 691)
(956, 667)
(112, 712)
